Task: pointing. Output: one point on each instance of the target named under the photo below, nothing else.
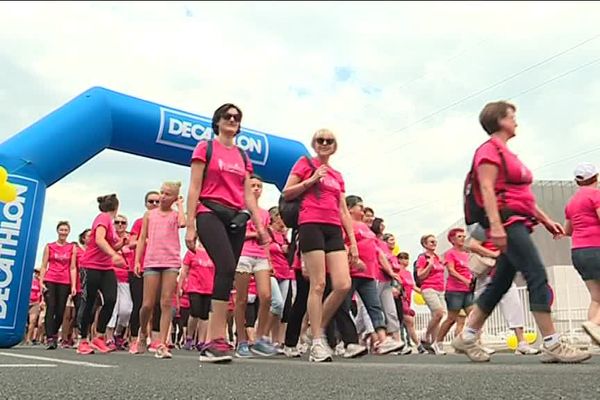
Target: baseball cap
(585, 171)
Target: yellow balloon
(512, 342)
(3, 175)
(418, 299)
(396, 250)
(531, 337)
(8, 193)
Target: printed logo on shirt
(331, 183)
(231, 168)
(184, 130)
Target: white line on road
(27, 365)
(58, 360)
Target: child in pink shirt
(160, 240)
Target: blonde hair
(424, 239)
(176, 186)
(326, 131)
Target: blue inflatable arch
(59, 143)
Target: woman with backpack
(500, 197)
(322, 216)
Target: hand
(395, 277)
(190, 238)
(395, 292)
(137, 269)
(496, 254)
(320, 173)
(43, 287)
(263, 237)
(179, 202)
(498, 237)
(285, 248)
(353, 254)
(555, 229)
(360, 266)
(73, 291)
(118, 260)
(125, 240)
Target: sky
(400, 83)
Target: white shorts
(252, 265)
(510, 304)
(435, 300)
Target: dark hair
(369, 209)
(387, 236)
(82, 236)
(376, 227)
(63, 223)
(150, 193)
(219, 112)
(254, 176)
(587, 182)
(353, 200)
(492, 113)
(108, 203)
(403, 255)
(425, 237)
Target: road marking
(27, 365)
(58, 360)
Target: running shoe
(52, 344)
(66, 344)
(488, 350)
(189, 344)
(217, 351)
(319, 353)
(84, 348)
(154, 346)
(427, 346)
(438, 349)
(243, 350)
(354, 350)
(111, 345)
(563, 353)
(389, 345)
(470, 348)
(421, 349)
(593, 330)
(525, 349)
(163, 352)
(291, 352)
(263, 348)
(200, 346)
(100, 345)
(120, 343)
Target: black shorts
(587, 262)
(323, 237)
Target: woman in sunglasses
(323, 214)
(136, 282)
(224, 184)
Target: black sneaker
(421, 349)
(217, 351)
(52, 344)
(428, 347)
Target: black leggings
(251, 313)
(341, 322)
(136, 288)
(224, 249)
(178, 324)
(97, 280)
(287, 307)
(56, 301)
(200, 305)
(77, 306)
(292, 333)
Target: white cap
(585, 171)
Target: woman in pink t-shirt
(98, 261)
(35, 299)
(502, 185)
(218, 203)
(58, 281)
(408, 286)
(583, 225)
(459, 287)
(159, 246)
(323, 215)
(136, 281)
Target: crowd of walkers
(318, 273)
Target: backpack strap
(312, 166)
(209, 151)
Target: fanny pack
(233, 219)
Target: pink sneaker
(154, 346)
(84, 348)
(138, 347)
(111, 346)
(100, 345)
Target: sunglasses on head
(325, 141)
(228, 116)
(154, 201)
(120, 222)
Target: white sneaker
(339, 349)
(488, 350)
(438, 349)
(526, 350)
(319, 353)
(592, 330)
(291, 352)
(355, 350)
(389, 345)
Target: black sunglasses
(325, 141)
(228, 116)
(120, 222)
(154, 201)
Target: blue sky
(400, 83)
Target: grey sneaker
(563, 353)
(291, 352)
(389, 345)
(263, 348)
(354, 350)
(243, 350)
(470, 348)
(319, 353)
(593, 330)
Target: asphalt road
(34, 373)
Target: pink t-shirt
(460, 259)
(59, 263)
(381, 276)
(136, 230)
(225, 176)
(94, 258)
(408, 283)
(581, 211)
(36, 292)
(201, 272)
(368, 251)
(435, 279)
(163, 247)
(251, 246)
(322, 207)
(122, 273)
(516, 195)
(281, 268)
